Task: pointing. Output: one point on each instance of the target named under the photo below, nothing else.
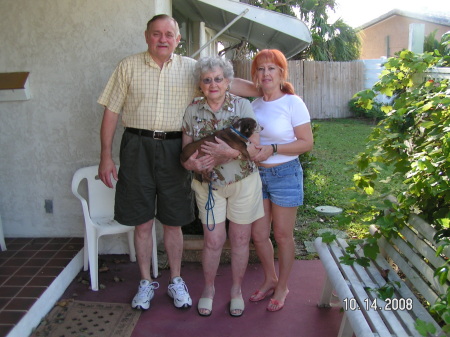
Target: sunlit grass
(329, 178)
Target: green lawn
(337, 142)
(329, 177)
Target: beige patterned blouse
(200, 121)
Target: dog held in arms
(237, 138)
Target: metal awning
(261, 27)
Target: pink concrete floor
(300, 317)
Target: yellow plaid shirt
(149, 97)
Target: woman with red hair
(286, 134)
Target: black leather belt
(161, 135)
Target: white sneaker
(179, 292)
(144, 295)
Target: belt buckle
(157, 134)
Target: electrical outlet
(48, 206)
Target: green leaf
(386, 291)
(369, 190)
(386, 108)
(347, 260)
(371, 250)
(444, 222)
(442, 274)
(446, 317)
(428, 124)
(387, 91)
(427, 106)
(424, 328)
(363, 261)
(328, 237)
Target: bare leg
(212, 248)
(173, 242)
(283, 226)
(239, 240)
(264, 248)
(143, 242)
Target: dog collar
(239, 134)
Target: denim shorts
(283, 184)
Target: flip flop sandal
(275, 305)
(259, 295)
(237, 304)
(206, 304)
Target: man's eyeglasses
(209, 80)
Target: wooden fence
(326, 87)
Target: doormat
(78, 318)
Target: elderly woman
(286, 134)
(234, 190)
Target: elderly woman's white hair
(207, 64)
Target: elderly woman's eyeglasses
(209, 80)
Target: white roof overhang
(261, 27)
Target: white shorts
(240, 202)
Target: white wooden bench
(365, 314)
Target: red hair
(276, 57)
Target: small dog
(245, 127)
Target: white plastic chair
(99, 220)
(2, 237)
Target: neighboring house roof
(440, 19)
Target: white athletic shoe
(145, 293)
(179, 292)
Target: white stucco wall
(70, 48)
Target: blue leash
(210, 202)
(209, 207)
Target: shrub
(413, 139)
(374, 112)
(306, 159)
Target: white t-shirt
(278, 119)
